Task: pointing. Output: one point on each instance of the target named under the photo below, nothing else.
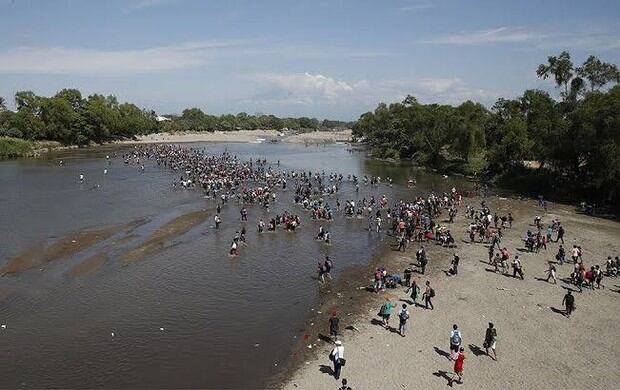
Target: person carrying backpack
(385, 312)
(455, 340)
(429, 294)
(403, 317)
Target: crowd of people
(422, 221)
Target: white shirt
(338, 352)
(455, 332)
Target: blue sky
(330, 58)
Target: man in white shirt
(337, 356)
(456, 340)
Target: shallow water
(226, 322)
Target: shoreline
(377, 358)
(39, 149)
(244, 136)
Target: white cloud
(588, 39)
(63, 60)
(497, 35)
(416, 7)
(317, 89)
(142, 4)
(303, 88)
(451, 90)
(439, 85)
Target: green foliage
(71, 119)
(574, 143)
(195, 120)
(14, 147)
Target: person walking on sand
(456, 339)
(490, 339)
(569, 303)
(455, 264)
(344, 385)
(517, 268)
(334, 323)
(458, 366)
(422, 260)
(551, 273)
(429, 294)
(403, 317)
(560, 234)
(385, 312)
(337, 357)
(415, 291)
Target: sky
(327, 59)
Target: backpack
(456, 339)
(432, 295)
(403, 315)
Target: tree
(61, 121)
(28, 100)
(73, 96)
(598, 73)
(560, 67)
(2, 104)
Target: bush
(15, 147)
(385, 152)
(14, 133)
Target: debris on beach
(161, 329)
(112, 334)
(3, 326)
(256, 345)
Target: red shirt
(458, 363)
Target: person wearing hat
(337, 356)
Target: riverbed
(122, 282)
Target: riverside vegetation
(568, 147)
(71, 119)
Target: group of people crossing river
(419, 221)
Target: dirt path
(537, 347)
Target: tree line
(568, 146)
(71, 119)
(194, 119)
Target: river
(181, 314)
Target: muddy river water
(121, 282)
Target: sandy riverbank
(245, 136)
(537, 348)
